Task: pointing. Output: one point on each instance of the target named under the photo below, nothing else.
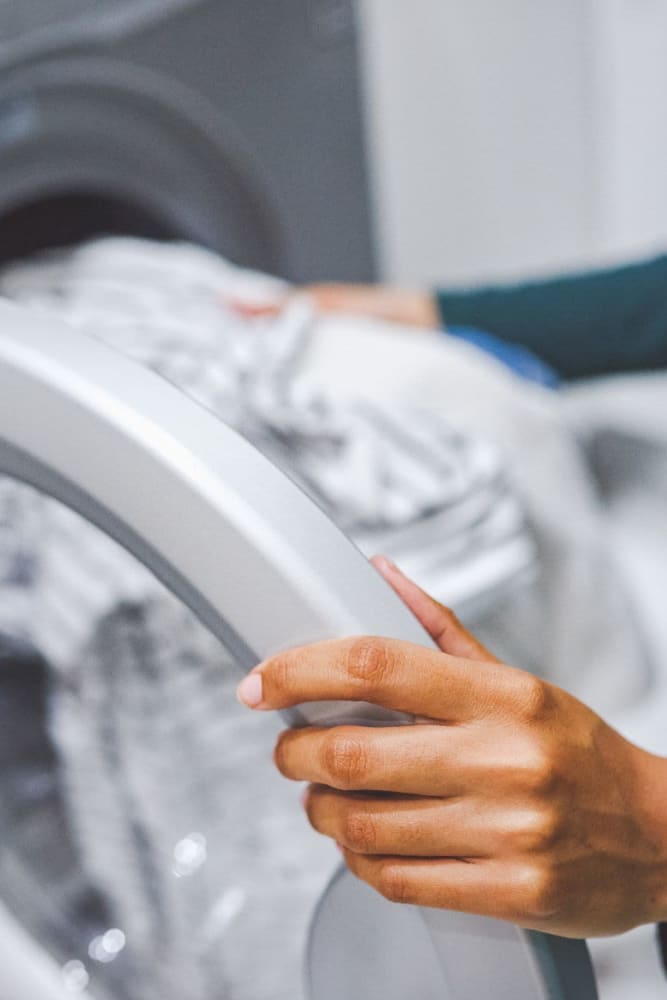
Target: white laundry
(395, 478)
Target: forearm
(587, 324)
(652, 806)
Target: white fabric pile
(397, 478)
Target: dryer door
(228, 534)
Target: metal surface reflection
(75, 976)
(190, 854)
(108, 946)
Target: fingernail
(384, 564)
(249, 691)
(304, 797)
(338, 847)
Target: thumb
(440, 622)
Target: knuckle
(280, 752)
(540, 831)
(536, 699)
(448, 619)
(392, 883)
(448, 624)
(369, 661)
(279, 673)
(360, 833)
(539, 772)
(534, 771)
(344, 760)
(536, 898)
(543, 895)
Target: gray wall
(515, 136)
(631, 38)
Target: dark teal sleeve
(586, 324)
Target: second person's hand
(408, 307)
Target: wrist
(418, 308)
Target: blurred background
(514, 138)
(489, 140)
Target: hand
(394, 305)
(511, 799)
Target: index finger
(440, 622)
(387, 672)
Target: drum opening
(71, 217)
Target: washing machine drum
(92, 146)
(177, 488)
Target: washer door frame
(178, 488)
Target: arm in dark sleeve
(587, 324)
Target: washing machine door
(362, 946)
(228, 534)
